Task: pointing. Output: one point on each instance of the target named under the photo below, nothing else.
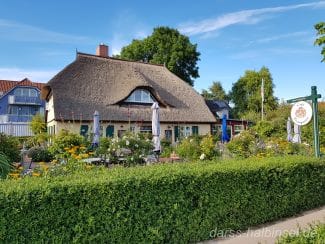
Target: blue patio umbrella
(225, 137)
(96, 132)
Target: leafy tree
(215, 91)
(9, 146)
(38, 127)
(320, 41)
(5, 166)
(166, 46)
(246, 92)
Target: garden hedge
(172, 203)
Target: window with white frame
(141, 96)
(238, 129)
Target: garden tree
(9, 146)
(166, 46)
(215, 91)
(246, 92)
(38, 127)
(320, 41)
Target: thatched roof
(96, 83)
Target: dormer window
(25, 92)
(140, 96)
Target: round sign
(301, 113)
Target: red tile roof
(6, 85)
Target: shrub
(131, 149)
(166, 148)
(169, 203)
(208, 147)
(189, 148)
(265, 128)
(245, 144)
(40, 154)
(66, 140)
(9, 146)
(279, 146)
(5, 166)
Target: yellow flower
(77, 157)
(84, 155)
(14, 175)
(36, 174)
(45, 167)
(89, 166)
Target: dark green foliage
(215, 91)
(266, 128)
(246, 92)
(9, 146)
(5, 166)
(40, 154)
(320, 41)
(169, 47)
(173, 203)
(315, 235)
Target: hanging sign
(301, 113)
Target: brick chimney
(102, 50)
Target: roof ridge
(117, 59)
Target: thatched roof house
(122, 91)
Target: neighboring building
(19, 101)
(123, 92)
(219, 108)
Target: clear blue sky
(39, 38)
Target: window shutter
(110, 131)
(83, 130)
(195, 130)
(176, 132)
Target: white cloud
(12, 73)
(252, 16)
(279, 37)
(21, 32)
(279, 51)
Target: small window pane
(140, 96)
(17, 92)
(33, 93)
(145, 96)
(26, 92)
(137, 95)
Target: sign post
(313, 97)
